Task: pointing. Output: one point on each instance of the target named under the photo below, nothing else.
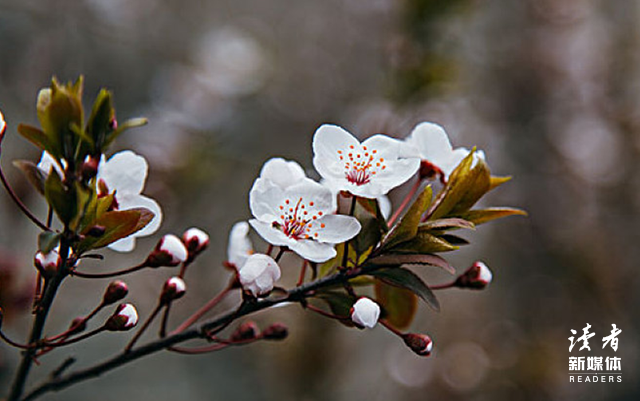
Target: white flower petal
(126, 244)
(432, 142)
(264, 198)
(314, 251)
(125, 172)
(385, 206)
(240, 246)
(335, 229)
(271, 234)
(259, 274)
(46, 162)
(282, 172)
(3, 125)
(328, 139)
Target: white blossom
(47, 261)
(431, 143)
(365, 312)
(259, 274)
(300, 217)
(368, 169)
(124, 175)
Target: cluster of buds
(124, 318)
(477, 277)
(171, 251)
(249, 330)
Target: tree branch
(294, 295)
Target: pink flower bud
(77, 325)
(124, 318)
(259, 274)
(421, 344)
(477, 277)
(89, 168)
(174, 288)
(169, 251)
(116, 291)
(276, 331)
(365, 313)
(196, 240)
(246, 331)
(47, 263)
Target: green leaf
(465, 187)
(480, 216)
(404, 278)
(60, 199)
(33, 174)
(59, 107)
(395, 260)
(496, 181)
(47, 240)
(424, 242)
(454, 239)
(398, 304)
(118, 224)
(40, 139)
(407, 228)
(99, 124)
(132, 123)
(449, 223)
(371, 232)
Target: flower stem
(389, 327)
(20, 204)
(405, 202)
(110, 274)
(442, 286)
(50, 290)
(303, 272)
(352, 210)
(144, 327)
(203, 310)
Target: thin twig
(294, 295)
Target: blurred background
(548, 88)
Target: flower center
(361, 166)
(297, 221)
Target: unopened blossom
(48, 262)
(124, 176)
(300, 217)
(173, 289)
(421, 344)
(431, 143)
(365, 313)
(259, 274)
(478, 276)
(240, 247)
(124, 318)
(116, 291)
(170, 251)
(368, 169)
(196, 240)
